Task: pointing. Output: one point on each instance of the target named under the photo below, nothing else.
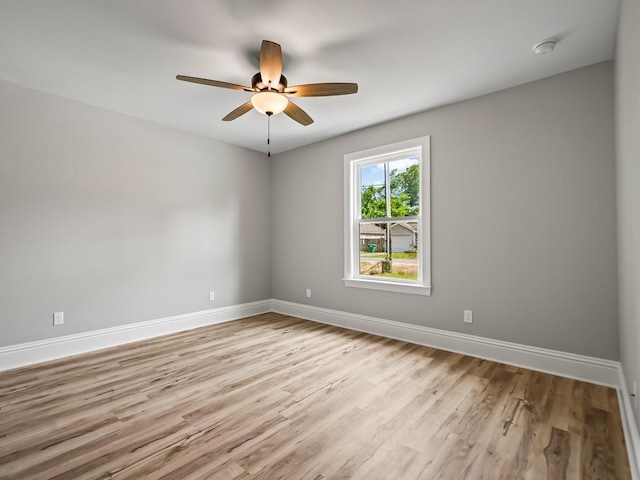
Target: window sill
(397, 287)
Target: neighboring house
(404, 236)
(371, 234)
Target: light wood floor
(273, 397)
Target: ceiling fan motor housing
(256, 82)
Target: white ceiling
(406, 55)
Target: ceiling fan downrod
(269, 114)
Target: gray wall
(523, 217)
(115, 220)
(628, 187)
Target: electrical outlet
(468, 316)
(58, 318)
(308, 293)
(212, 296)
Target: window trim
(351, 239)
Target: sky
(374, 174)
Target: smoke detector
(545, 47)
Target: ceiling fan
(270, 89)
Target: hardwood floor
(273, 397)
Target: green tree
(405, 186)
(372, 202)
(400, 206)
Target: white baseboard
(590, 369)
(23, 354)
(631, 435)
(580, 367)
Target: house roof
(371, 229)
(410, 226)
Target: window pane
(405, 187)
(389, 250)
(373, 247)
(373, 194)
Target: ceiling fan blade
(214, 83)
(241, 110)
(321, 89)
(299, 115)
(270, 63)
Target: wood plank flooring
(274, 397)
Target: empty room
(319, 240)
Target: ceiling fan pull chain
(268, 134)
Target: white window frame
(352, 213)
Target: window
(387, 218)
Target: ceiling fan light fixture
(269, 103)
